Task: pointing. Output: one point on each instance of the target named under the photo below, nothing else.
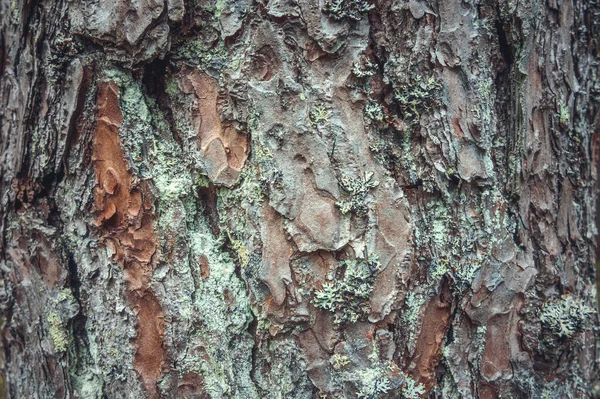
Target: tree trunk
(299, 199)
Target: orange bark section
(429, 344)
(123, 212)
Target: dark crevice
(80, 356)
(74, 281)
(154, 83)
(153, 77)
(3, 55)
(252, 330)
(49, 183)
(73, 133)
(504, 47)
(208, 197)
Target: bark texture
(299, 198)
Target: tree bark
(299, 199)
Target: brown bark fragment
(496, 354)
(276, 254)
(126, 223)
(191, 386)
(224, 148)
(436, 321)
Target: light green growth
(117, 75)
(219, 7)
(374, 111)
(358, 189)
(58, 332)
(239, 248)
(351, 9)
(480, 335)
(88, 385)
(438, 223)
(566, 316)
(171, 86)
(248, 191)
(466, 270)
(348, 295)
(319, 115)
(262, 153)
(157, 159)
(447, 388)
(339, 361)
(485, 26)
(563, 113)
(417, 96)
(66, 295)
(410, 316)
(379, 146)
(412, 389)
(384, 154)
(200, 55)
(364, 70)
(222, 319)
(374, 381)
(484, 119)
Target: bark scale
(297, 199)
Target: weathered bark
(297, 199)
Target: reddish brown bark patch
(436, 321)
(224, 148)
(123, 213)
(486, 391)
(495, 363)
(276, 254)
(191, 386)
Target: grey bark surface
(299, 199)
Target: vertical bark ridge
(124, 213)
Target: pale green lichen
(282, 365)
(364, 69)
(319, 115)
(348, 294)
(358, 188)
(563, 112)
(417, 96)
(351, 9)
(566, 316)
(374, 381)
(412, 389)
(466, 270)
(374, 111)
(437, 224)
(439, 268)
(199, 54)
(239, 248)
(172, 86)
(58, 332)
(339, 361)
(410, 316)
(222, 320)
(215, 303)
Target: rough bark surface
(298, 198)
